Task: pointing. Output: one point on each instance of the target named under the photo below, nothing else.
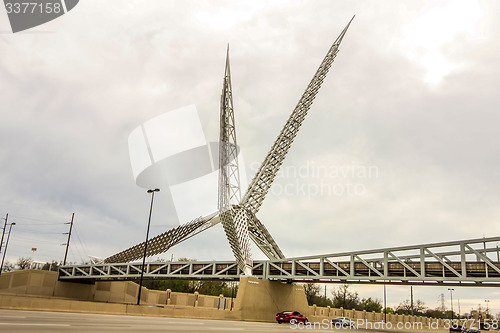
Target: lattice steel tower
(236, 228)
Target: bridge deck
(453, 263)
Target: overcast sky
(411, 99)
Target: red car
(291, 317)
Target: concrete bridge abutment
(256, 299)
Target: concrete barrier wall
(40, 290)
(319, 313)
(45, 283)
(256, 300)
(30, 302)
(29, 282)
(208, 301)
(119, 292)
(84, 292)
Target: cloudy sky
(405, 125)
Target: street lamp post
(487, 307)
(451, 298)
(6, 244)
(385, 305)
(411, 296)
(459, 311)
(232, 294)
(146, 243)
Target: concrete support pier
(260, 300)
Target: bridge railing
(215, 270)
(470, 262)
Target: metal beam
(166, 240)
(264, 178)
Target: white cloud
(426, 35)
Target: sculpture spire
(236, 229)
(261, 183)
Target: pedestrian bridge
(472, 262)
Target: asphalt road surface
(39, 321)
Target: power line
(41, 224)
(84, 249)
(32, 219)
(23, 252)
(81, 256)
(83, 240)
(39, 232)
(75, 256)
(24, 240)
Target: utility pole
(3, 232)
(6, 243)
(69, 237)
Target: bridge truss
(472, 262)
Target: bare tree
(405, 307)
(24, 263)
(8, 267)
(311, 290)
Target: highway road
(38, 321)
(16, 321)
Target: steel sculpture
(238, 216)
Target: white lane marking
(225, 328)
(184, 323)
(33, 324)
